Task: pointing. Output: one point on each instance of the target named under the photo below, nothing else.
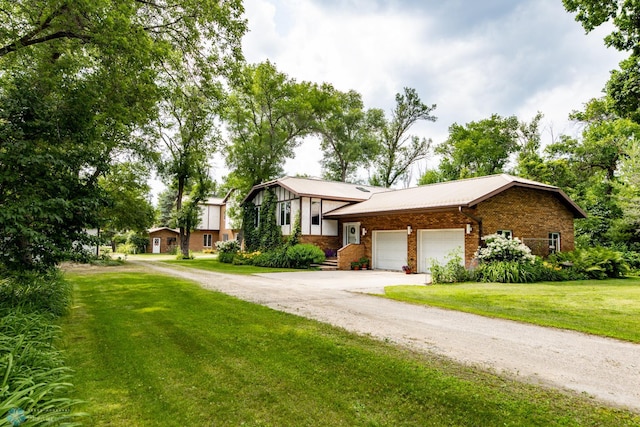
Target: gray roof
(313, 187)
(452, 194)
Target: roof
(214, 201)
(153, 230)
(446, 195)
(314, 187)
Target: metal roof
(328, 190)
(452, 194)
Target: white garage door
(389, 250)
(437, 244)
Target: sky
(470, 58)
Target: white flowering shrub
(499, 248)
(229, 246)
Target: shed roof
(452, 194)
(314, 187)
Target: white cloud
(472, 59)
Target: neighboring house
(416, 225)
(213, 227)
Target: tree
(398, 151)
(77, 81)
(127, 207)
(187, 130)
(267, 114)
(479, 148)
(347, 133)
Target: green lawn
(151, 350)
(212, 264)
(609, 307)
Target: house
(413, 226)
(213, 226)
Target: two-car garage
(390, 247)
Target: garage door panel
(390, 250)
(437, 245)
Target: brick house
(415, 225)
(214, 226)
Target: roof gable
(452, 194)
(313, 187)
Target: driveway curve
(607, 369)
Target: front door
(156, 245)
(351, 233)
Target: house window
(284, 208)
(554, 242)
(207, 239)
(315, 212)
(507, 234)
(225, 237)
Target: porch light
(409, 229)
(364, 231)
(469, 228)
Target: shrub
(228, 247)
(303, 255)
(594, 263)
(452, 271)
(126, 248)
(181, 256)
(499, 248)
(245, 258)
(276, 258)
(36, 292)
(226, 257)
(505, 272)
(33, 379)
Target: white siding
(330, 226)
(209, 217)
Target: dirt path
(606, 369)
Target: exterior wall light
(409, 229)
(469, 228)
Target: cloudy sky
(471, 58)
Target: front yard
(152, 350)
(609, 308)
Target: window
(284, 208)
(315, 212)
(207, 240)
(554, 242)
(225, 237)
(508, 234)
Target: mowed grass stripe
(152, 350)
(609, 308)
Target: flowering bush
(229, 246)
(499, 248)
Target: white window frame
(505, 233)
(207, 240)
(554, 242)
(284, 213)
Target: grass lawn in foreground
(609, 308)
(212, 264)
(151, 350)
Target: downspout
(477, 220)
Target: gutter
(477, 220)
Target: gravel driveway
(606, 369)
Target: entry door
(351, 233)
(156, 245)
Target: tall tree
(186, 128)
(77, 81)
(347, 134)
(398, 150)
(267, 114)
(479, 148)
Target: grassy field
(151, 350)
(609, 307)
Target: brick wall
(348, 254)
(165, 244)
(196, 241)
(325, 243)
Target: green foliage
(276, 258)
(303, 255)
(268, 229)
(397, 150)
(500, 248)
(296, 231)
(226, 257)
(181, 256)
(594, 263)
(452, 271)
(42, 292)
(34, 382)
(506, 272)
(228, 247)
(478, 148)
(249, 228)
